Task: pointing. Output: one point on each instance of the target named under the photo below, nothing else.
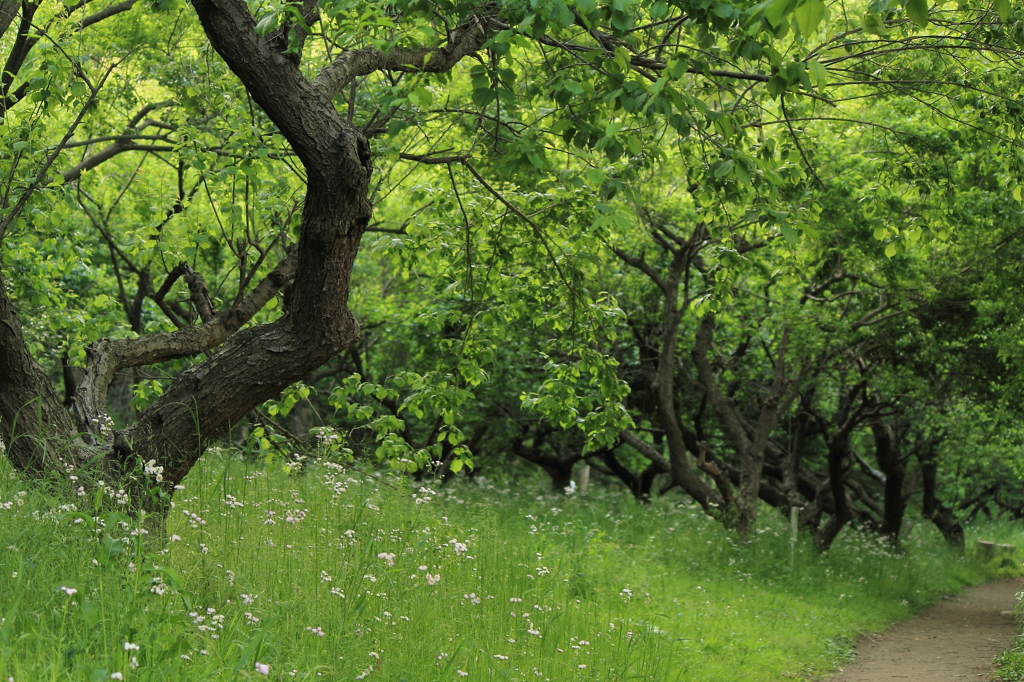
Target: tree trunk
(889, 461)
(638, 484)
(931, 508)
(558, 468)
(842, 512)
(37, 430)
(247, 366)
(662, 378)
(750, 450)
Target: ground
(954, 640)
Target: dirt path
(954, 640)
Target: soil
(955, 639)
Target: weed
(326, 573)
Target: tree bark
(891, 464)
(931, 508)
(662, 378)
(36, 428)
(750, 450)
(248, 366)
(838, 450)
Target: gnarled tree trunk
(245, 366)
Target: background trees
(733, 243)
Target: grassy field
(335, 574)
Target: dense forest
(739, 252)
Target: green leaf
(808, 15)
(874, 25)
(1016, 192)
(484, 96)
(1003, 8)
(421, 97)
(789, 233)
(777, 85)
(633, 142)
(890, 250)
(268, 23)
(819, 74)
(741, 173)
(723, 167)
(109, 548)
(777, 11)
(917, 10)
(724, 10)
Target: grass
(328, 573)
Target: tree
(622, 74)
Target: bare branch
(107, 356)
(644, 448)
(108, 153)
(434, 160)
(145, 111)
(200, 295)
(463, 40)
(875, 316)
(107, 13)
(115, 138)
(643, 266)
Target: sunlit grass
(330, 573)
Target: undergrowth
(327, 573)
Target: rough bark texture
(891, 464)
(246, 366)
(36, 428)
(749, 442)
(257, 363)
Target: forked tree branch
(464, 40)
(104, 358)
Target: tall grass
(328, 573)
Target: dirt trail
(954, 640)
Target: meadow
(316, 570)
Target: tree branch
(122, 145)
(8, 10)
(464, 40)
(645, 449)
(107, 356)
(107, 13)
